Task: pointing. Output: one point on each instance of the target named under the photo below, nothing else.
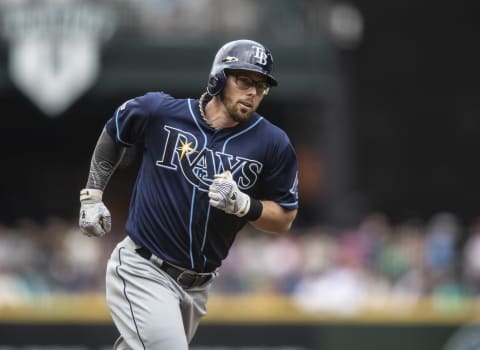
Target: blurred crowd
(194, 18)
(323, 268)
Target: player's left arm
(277, 208)
(279, 195)
(265, 215)
(274, 218)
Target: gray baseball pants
(150, 310)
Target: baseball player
(209, 166)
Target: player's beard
(236, 110)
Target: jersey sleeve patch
(128, 125)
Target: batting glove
(95, 219)
(225, 195)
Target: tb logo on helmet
(260, 55)
(242, 54)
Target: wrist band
(255, 211)
(90, 194)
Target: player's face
(243, 93)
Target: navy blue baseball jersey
(169, 212)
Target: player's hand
(225, 195)
(95, 219)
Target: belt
(185, 278)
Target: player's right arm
(126, 128)
(95, 218)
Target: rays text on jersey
(198, 164)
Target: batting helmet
(243, 55)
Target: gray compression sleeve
(106, 158)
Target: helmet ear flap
(216, 83)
